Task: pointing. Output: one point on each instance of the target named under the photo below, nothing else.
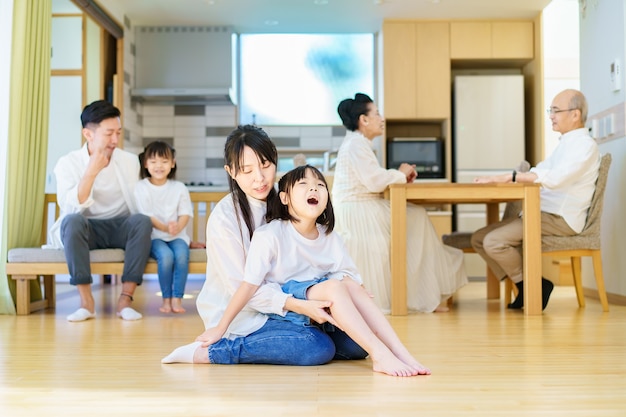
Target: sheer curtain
(27, 135)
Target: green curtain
(28, 130)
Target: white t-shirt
(278, 253)
(227, 244)
(568, 177)
(166, 203)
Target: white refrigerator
(488, 138)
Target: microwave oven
(427, 154)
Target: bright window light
(299, 79)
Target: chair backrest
(592, 225)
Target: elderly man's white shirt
(568, 177)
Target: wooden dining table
(433, 193)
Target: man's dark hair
(98, 111)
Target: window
(299, 79)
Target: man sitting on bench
(95, 186)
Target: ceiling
(312, 16)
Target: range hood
(185, 96)
(185, 65)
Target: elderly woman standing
(434, 271)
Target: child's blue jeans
(172, 265)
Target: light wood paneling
(491, 40)
(486, 361)
(433, 70)
(400, 81)
(512, 40)
(416, 70)
(470, 40)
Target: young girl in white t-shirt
(168, 205)
(299, 244)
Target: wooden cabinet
(492, 40)
(416, 70)
(417, 59)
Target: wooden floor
(486, 361)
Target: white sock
(81, 314)
(128, 313)
(183, 354)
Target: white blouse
(358, 175)
(227, 244)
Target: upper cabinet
(492, 40)
(416, 70)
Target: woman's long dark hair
(351, 109)
(277, 210)
(256, 139)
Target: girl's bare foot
(167, 306)
(406, 357)
(389, 364)
(418, 367)
(177, 305)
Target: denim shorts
(298, 289)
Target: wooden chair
(586, 243)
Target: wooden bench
(27, 264)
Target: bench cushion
(38, 255)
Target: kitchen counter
(208, 188)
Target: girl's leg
(181, 268)
(164, 256)
(379, 324)
(350, 319)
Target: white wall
(602, 32)
(561, 51)
(64, 130)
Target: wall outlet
(609, 125)
(616, 75)
(594, 129)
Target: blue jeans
(172, 265)
(298, 289)
(281, 342)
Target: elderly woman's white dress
(362, 217)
